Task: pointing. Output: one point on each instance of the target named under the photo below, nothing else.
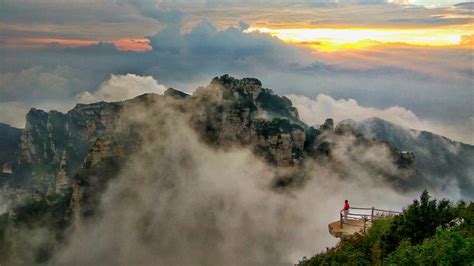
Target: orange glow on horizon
(333, 39)
(136, 45)
(65, 42)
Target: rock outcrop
(54, 145)
(10, 139)
(86, 147)
(327, 126)
(240, 112)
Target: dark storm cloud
(205, 51)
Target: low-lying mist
(178, 201)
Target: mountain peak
(229, 80)
(228, 112)
(328, 125)
(437, 157)
(176, 93)
(36, 113)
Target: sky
(411, 56)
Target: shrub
(428, 232)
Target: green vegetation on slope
(429, 232)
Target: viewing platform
(359, 220)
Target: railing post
(372, 215)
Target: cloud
(328, 14)
(435, 20)
(223, 49)
(13, 113)
(309, 3)
(181, 202)
(434, 83)
(178, 202)
(467, 40)
(39, 82)
(100, 20)
(168, 17)
(104, 20)
(197, 55)
(429, 82)
(465, 5)
(315, 111)
(122, 87)
(117, 88)
(435, 3)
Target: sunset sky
(410, 61)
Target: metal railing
(366, 215)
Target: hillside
(439, 159)
(228, 112)
(428, 232)
(176, 167)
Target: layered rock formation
(86, 147)
(231, 111)
(9, 147)
(54, 145)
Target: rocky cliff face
(240, 112)
(227, 113)
(9, 148)
(86, 147)
(53, 145)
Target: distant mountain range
(439, 159)
(85, 147)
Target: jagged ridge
(63, 150)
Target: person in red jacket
(345, 210)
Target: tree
(419, 221)
(447, 247)
(428, 232)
